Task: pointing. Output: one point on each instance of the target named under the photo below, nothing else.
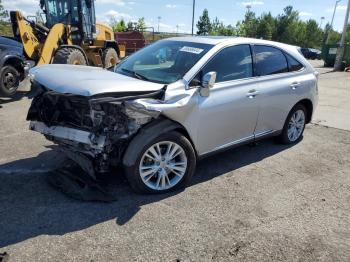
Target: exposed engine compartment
(103, 124)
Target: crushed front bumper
(71, 134)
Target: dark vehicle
(310, 53)
(13, 67)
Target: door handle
(295, 85)
(252, 93)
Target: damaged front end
(92, 131)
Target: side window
(269, 60)
(294, 65)
(232, 63)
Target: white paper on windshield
(192, 50)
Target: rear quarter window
(293, 64)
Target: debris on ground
(75, 183)
(4, 257)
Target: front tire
(163, 164)
(110, 57)
(9, 80)
(70, 56)
(294, 126)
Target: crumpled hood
(87, 80)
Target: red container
(133, 40)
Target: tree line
(286, 28)
(122, 26)
(5, 28)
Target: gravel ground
(264, 203)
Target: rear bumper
(70, 134)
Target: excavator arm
(53, 41)
(39, 42)
(24, 33)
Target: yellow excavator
(70, 35)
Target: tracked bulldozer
(70, 35)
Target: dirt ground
(264, 203)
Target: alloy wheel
(296, 125)
(163, 165)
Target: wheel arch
(16, 62)
(151, 131)
(112, 44)
(307, 103)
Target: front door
(229, 114)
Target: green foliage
(204, 25)
(250, 24)
(286, 28)
(3, 13)
(121, 26)
(130, 26)
(141, 24)
(118, 26)
(313, 34)
(347, 37)
(218, 28)
(5, 26)
(266, 26)
(5, 29)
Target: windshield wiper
(137, 75)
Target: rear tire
(70, 56)
(183, 162)
(294, 126)
(9, 80)
(110, 57)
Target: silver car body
(234, 112)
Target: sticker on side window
(192, 50)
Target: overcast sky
(179, 12)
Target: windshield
(164, 61)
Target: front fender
(147, 134)
(10, 56)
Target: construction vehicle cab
(70, 35)
(76, 13)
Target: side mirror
(208, 82)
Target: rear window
(269, 60)
(293, 64)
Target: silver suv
(171, 103)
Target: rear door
(279, 87)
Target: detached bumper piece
(4, 257)
(73, 182)
(73, 142)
